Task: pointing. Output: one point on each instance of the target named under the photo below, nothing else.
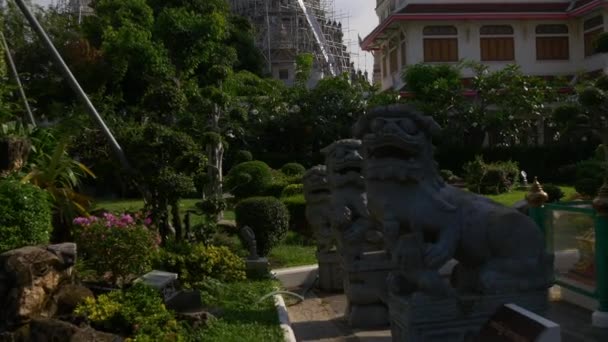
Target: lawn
(512, 197)
(243, 317)
(293, 251)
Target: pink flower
(81, 221)
(126, 219)
(147, 221)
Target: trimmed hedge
(25, 215)
(249, 179)
(296, 205)
(267, 217)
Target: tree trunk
(215, 154)
(177, 223)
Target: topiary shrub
(248, 179)
(296, 205)
(268, 218)
(138, 312)
(293, 190)
(491, 178)
(589, 177)
(25, 215)
(242, 156)
(279, 182)
(196, 263)
(555, 192)
(293, 169)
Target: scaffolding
(286, 28)
(78, 8)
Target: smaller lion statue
(355, 231)
(318, 207)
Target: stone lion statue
(427, 222)
(351, 222)
(318, 207)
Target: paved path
(320, 318)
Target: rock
(69, 296)
(44, 330)
(195, 319)
(29, 278)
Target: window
(284, 74)
(403, 50)
(552, 42)
(440, 44)
(393, 59)
(497, 43)
(592, 28)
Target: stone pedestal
(422, 318)
(330, 271)
(257, 267)
(365, 288)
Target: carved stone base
(330, 272)
(256, 268)
(423, 318)
(366, 291)
(368, 316)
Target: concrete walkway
(320, 318)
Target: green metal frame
(541, 214)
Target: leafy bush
(293, 190)
(296, 205)
(248, 179)
(490, 178)
(195, 263)
(138, 312)
(293, 169)
(589, 177)
(268, 218)
(25, 215)
(121, 245)
(554, 192)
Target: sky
(356, 15)
(362, 20)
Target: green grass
(512, 197)
(242, 318)
(293, 251)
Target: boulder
(44, 330)
(29, 278)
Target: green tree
(507, 103)
(587, 113)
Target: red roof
(487, 8)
